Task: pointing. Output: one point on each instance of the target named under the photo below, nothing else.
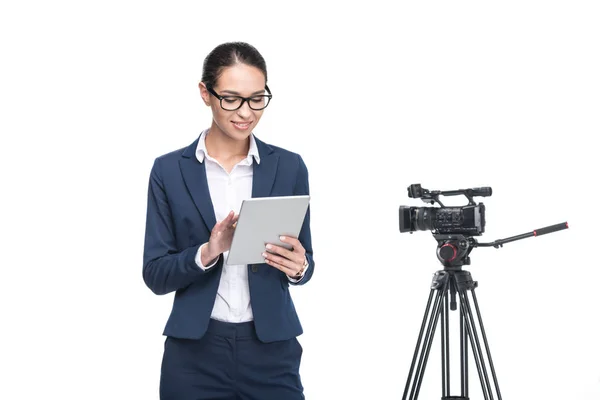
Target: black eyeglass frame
(244, 99)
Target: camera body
(466, 220)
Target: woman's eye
(257, 100)
(231, 100)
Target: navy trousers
(230, 363)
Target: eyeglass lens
(233, 103)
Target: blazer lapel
(194, 176)
(264, 173)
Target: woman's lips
(241, 125)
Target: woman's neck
(221, 146)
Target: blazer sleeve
(165, 267)
(302, 188)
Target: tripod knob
(447, 252)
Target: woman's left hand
(290, 262)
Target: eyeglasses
(232, 103)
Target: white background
(374, 97)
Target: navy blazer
(180, 218)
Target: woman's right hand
(220, 238)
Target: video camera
(454, 229)
(467, 220)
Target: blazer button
(254, 268)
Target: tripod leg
(487, 347)
(477, 353)
(417, 348)
(416, 354)
(440, 279)
(435, 315)
(464, 357)
(445, 349)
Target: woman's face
(238, 80)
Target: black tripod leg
(464, 357)
(433, 314)
(477, 353)
(487, 347)
(445, 349)
(416, 354)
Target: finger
(282, 251)
(286, 270)
(295, 243)
(225, 223)
(233, 222)
(292, 265)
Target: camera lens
(424, 218)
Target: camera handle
(454, 249)
(537, 232)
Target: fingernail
(282, 238)
(264, 255)
(269, 247)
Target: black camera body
(468, 220)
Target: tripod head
(453, 249)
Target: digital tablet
(262, 220)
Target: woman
(232, 330)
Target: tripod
(453, 251)
(444, 283)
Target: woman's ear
(204, 93)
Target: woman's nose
(244, 111)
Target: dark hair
(228, 54)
